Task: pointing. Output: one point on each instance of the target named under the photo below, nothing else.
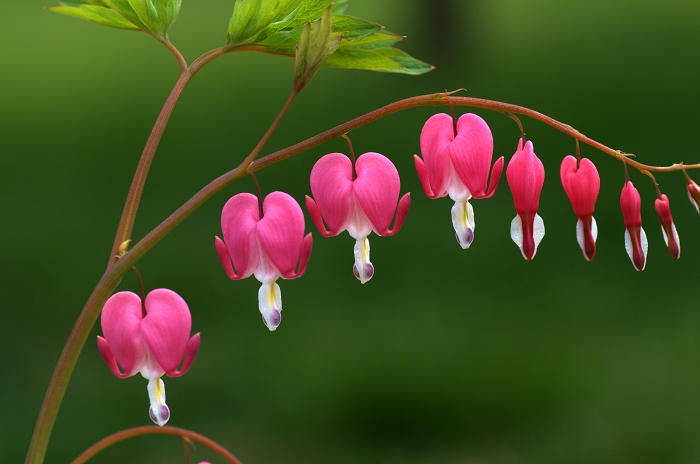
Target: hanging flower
(635, 238)
(267, 242)
(458, 165)
(525, 174)
(150, 337)
(693, 191)
(668, 228)
(360, 198)
(582, 184)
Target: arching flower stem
(114, 273)
(154, 429)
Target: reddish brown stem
(154, 429)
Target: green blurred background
(446, 356)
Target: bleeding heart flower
(582, 184)
(635, 238)
(149, 337)
(525, 174)
(268, 246)
(458, 165)
(668, 228)
(693, 191)
(359, 198)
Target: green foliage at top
(277, 26)
(315, 46)
(154, 16)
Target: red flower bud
(582, 184)
(635, 238)
(663, 209)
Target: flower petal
(471, 153)
(121, 320)
(377, 189)
(281, 232)
(238, 223)
(586, 236)
(166, 328)
(331, 186)
(435, 140)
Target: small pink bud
(693, 192)
(635, 238)
(152, 338)
(668, 228)
(582, 184)
(525, 174)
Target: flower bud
(693, 192)
(635, 238)
(668, 228)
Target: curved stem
(154, 429)
(115, 272)
(126, 223)
(180, 59)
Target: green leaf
(95, 14)
(408, 64)
(315, 46)
(251, 16)
(359, 58)
(339, 6)
(123, 7)
(377, 40)
(284, 41)
(146, 12)
(385, 59)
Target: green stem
(154, 429)
(114, 273)
(126, 223)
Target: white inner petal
(159, 412)
(270, 304)
(516, 231)
(363, 266)
(692, 200)
(463, 223)
(537, 232)
(581, 239)
(630, 249)
(457, 191)
(358, 224)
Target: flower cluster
(265, 237)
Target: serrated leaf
(123, 7)
(409, 64)
(146, 12)
(359, 58)
(339, 6)
(354, 28)
(379, 39)
(315, 46)
(284, 41)
(251, 16)
(95, 14)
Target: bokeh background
(446, 356)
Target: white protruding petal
(644, 243)
(362, 268)
(675, 235)
(692, 200)
(537, 232)
(579, 234)
(463, 223)
(159, 412)
(270, 304)
(516, 231)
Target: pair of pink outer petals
(152, 344)
(525, 174)
(360, 199)
(581, 183)
(458, 165)
(268, 247)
